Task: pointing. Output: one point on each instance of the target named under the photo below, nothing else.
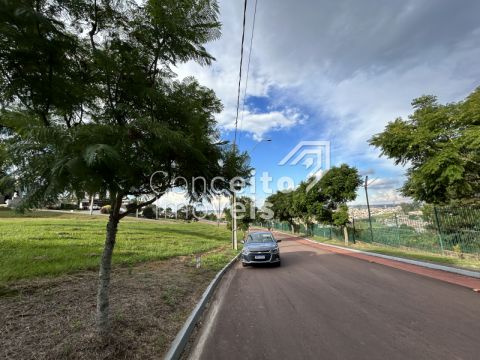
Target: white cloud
(357, 64)
(386, 197)
(258, 124)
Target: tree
(7, 182)
(281, 205)
(309, 204)
(317, 202)
(336, 187)
(186, 212)
(413, 206)
(339, 185)
(246, 213)
(211, 217)
(91, 104)
(148, 212)
(340, 218)
(440, 144)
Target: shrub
(107, 209)
(67, 206)
(149, 212)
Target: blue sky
(338, 71)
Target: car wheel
(244, 264)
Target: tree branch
(139, 206)
(92, 32)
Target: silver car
(260, 247)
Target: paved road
(320, 305)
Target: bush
(210, 217)
(66, 206)
(52, 207)
(149, 212)
(107, 209)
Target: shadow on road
(292, 258)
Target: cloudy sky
(338, 71)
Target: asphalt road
(320, 305)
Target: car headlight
(245, 251)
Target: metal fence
(451, 230)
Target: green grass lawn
(50, 244)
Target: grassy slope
(467, 263)
(50, 244)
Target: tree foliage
(318, 202)
(247, 213)
(98, 108)
(149, 212)
(340, 184)
(413, 206)
(89, 103)
(7, 182)
(340, 216)
(186, 212)
(281, 205)
(310, 205)
(440, 145)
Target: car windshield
(260, 238)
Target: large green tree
(309, 203)
(440, 146)
(339, 185)
(281, 205)
(317, 203)
(91, 103)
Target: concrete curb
(469, 273)
(181, 340)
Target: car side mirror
(279, 240)
(243, 241)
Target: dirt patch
(55, 318)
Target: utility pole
(218, 217)
(368, 207)
(234, 220)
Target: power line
(248, 65)
(240, 71)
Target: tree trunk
(103, 306)
(345, 234)
(91, 204)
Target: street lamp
(258, 143)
